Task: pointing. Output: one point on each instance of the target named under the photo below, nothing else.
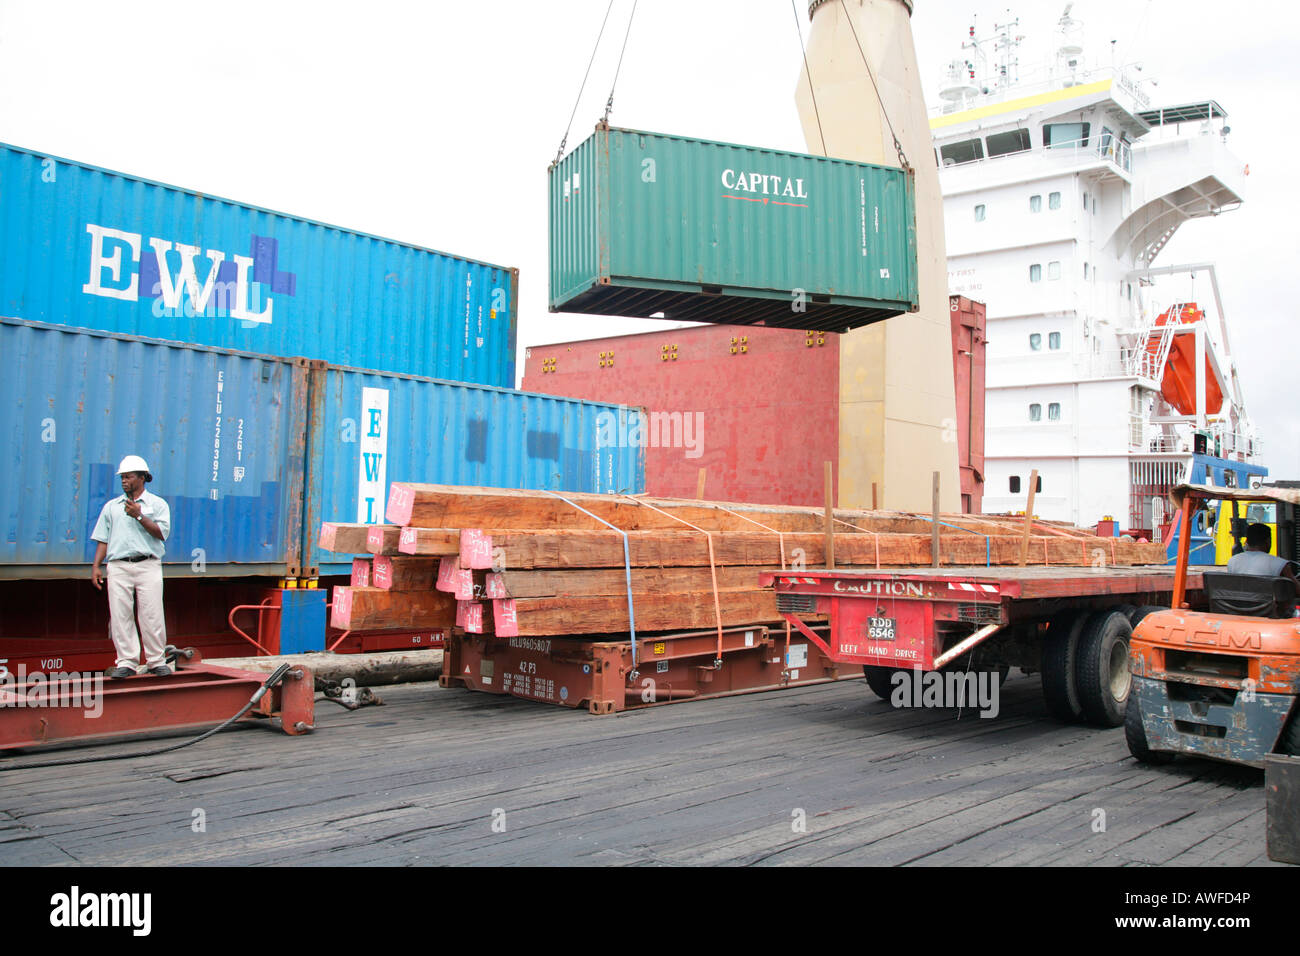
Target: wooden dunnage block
(374, 609)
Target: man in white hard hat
(131, 530)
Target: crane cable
(609, 104)
(902, 157)
(798, 29)
(559, 154)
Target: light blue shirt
(1256, 562)
(125, 536)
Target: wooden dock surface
(453, 777)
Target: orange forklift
(1220, 680)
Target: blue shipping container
(371, 429)
(90, 248)
(253, 452)
(222, 434)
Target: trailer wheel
(880, 680)
(1102, 667)
(1289, 742)
(1060, 652)
(1136, 736)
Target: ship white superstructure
(1062, 185)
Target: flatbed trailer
(1072, 624)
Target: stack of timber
(535, 564)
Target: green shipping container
(650, 225)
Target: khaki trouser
(132, 583)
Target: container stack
(537, 564)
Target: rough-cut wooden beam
(383, 538)
(612, 581)
(404, 573)
(343, 538)
(430, 542)
(360, 573)
(374, 609)
(664, 549)
(655, 611)
(447, 506)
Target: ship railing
(1118, 363)
(1141, 439)
(1146, 437)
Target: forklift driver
(1256, 558)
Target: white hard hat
(134, 463)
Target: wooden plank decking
(707, 782)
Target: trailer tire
(880, 680)
(1289, 742)
(1102, 667)
(1136, 736)
(1060, 652)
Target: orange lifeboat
(1178, 383)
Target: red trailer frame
(929, 618)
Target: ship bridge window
(1035, 203)
(1035, 272)
(1054, 270)
(1067, 135)
(1035, 412)
(1054, 340)
(979, 213)
(1054, 412)
(1015, 484)
(1054, 201)
(1035, 341)
(965, 152)
(1016, 141)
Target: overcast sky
(434, 122)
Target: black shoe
(119, 673)
(162, 670)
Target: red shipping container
(757, 408)
(969, 338)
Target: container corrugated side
(80, 246)
(222, 433)
(372, 429)
(643, 223)
(711, 404)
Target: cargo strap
(627, 569)
(875, 535)
(713, 568)
(1065, 534)
(988, 542)
(780, 536)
